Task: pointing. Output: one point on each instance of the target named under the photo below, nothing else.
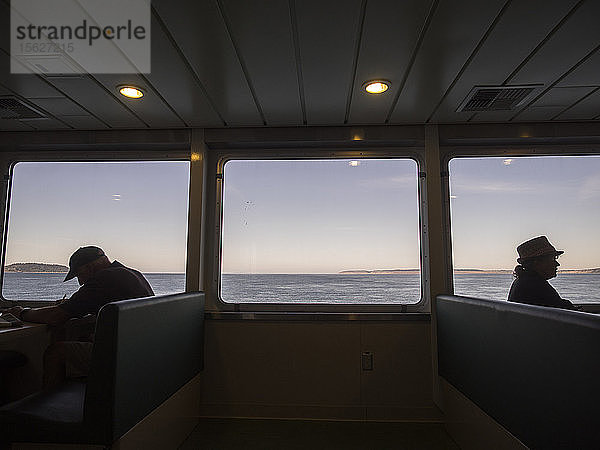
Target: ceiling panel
(59, 106)
(327, 33)
(563, 96)
(492, 116)
(238, 63)
(94, 98)
(69, 112)
(587, 109)
(14, 125)
(563, 50)
(454, 32)
(553, 103)
(269, 56)
(390, 34)
(25, 85)
(576, 38)
(5, 91)
(514, 37)
(587, 74)
(171, 77)
(199, 31)
(539, 113)
(83, 122)
(151, 109)
(47, 124)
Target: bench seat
(533, 369)
(144, 351)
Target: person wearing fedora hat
(537, 263)
(101, 282)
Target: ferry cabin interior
(270, 79)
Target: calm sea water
(271, 288)
(314, 288)
(50, 286)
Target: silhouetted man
(101, 282)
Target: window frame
(450, 152)
(10, 160)
(216, 165)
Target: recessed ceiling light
(376, 86)
(131, 91)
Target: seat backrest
(533, 369)
(145, 350)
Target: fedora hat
(536, 247)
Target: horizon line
(375, 271)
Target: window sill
(317, 316)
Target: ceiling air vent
(497, 98)
(14, 108)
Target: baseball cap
(81, 257)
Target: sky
(319, 216)
(498, 203)
(309, 216)
(135, 211)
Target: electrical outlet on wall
(367, 360)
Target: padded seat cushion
(11, 358)
(45, 416)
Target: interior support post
(435, 240)
(194, 279)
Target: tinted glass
(498, 203)
(320, 231)
(135, 211)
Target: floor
(250, 434)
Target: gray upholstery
(144, 351)
(533, 369)
(54, 416)
(10, 359)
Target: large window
(320, 231)
(499, 202)
(135, 211)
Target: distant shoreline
(23, 271)
(36, 268)
(38, 272)
(461, 271)
(41, 268)
(52, 269)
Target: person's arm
(556, 301)
(52, 315)
(569, 305)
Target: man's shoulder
(117, 268)
(118, 274)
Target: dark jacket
(532, 289)
(116, 282)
